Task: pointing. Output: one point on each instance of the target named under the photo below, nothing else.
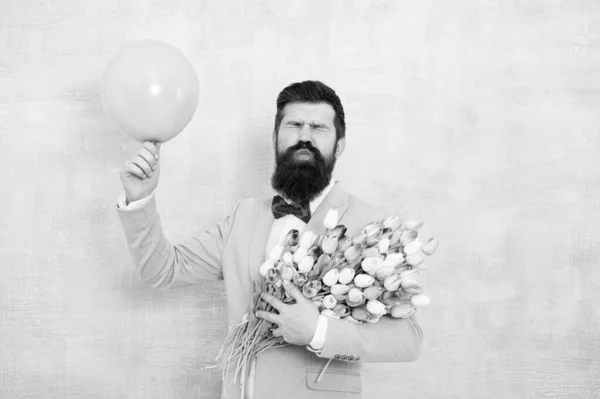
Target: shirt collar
(314, 204)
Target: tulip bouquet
(359, 278)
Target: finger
(277, 332)
(143, 165)
(154, 148)
(272, 317)
(135, 170)
(293, 291)
(271, 300)
(148, 157)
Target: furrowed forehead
(309, 112)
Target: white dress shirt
(279, 231)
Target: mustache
(303, 145)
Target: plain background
(481, 117)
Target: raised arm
(158, 262)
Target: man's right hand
(139, 175)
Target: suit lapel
(259, 237)
(336, 198)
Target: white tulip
(383, 245)
(331, 277)
(307, 239)
(346, 275)
(275, 253)
(339, 289)
(413, 247)
(355, 295)
(383, 272)
(420, 301)
(363, 280)
(287, 258)
(306, 264)
(300, 254)
(393, 259)
(370, 265)
(331, 219)
(329, 302)
(376, 308)
(264, 268)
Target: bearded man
(308, 138)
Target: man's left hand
(297, 322)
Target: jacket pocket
(334, 380)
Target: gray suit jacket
(233, 250)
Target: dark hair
(312, 91)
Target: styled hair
(312, 91)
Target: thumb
(293, 291)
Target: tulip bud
(300, 279)
(288, 272)
(306, 264)
(395, 238)
(430, 247)
(402, 310)
(370, 265)
(392, 283)
(300, 254)
(291, 238)
(273, 275)
(376, 308)
(372, 229)
(373, 240)
(360, 314)
(353, 252)
(337, 232)
(315, 251)
(307, 239)
(329, 313)
(331, 277)
(311, 289)
(393, 260)
(329, 302)
(355, 295)
(331, 219)
(384, 272)
(360, 238)
(392, 222)
(346, 275)
(264, 268)
(415, 224)
(372, 252)
(383, 245)
(339, 289)
(413, 247)
(420, 301)
(344, 244)
(408, 236)
(276, 252)
(287, 258)
(411, 286)
(414, 259)
(363, 280)
(373, 292)
(329, 245)
(341, 310)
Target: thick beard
(302, 180)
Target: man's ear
(340, 147)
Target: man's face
(311, 123)
(306, 150)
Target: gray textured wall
(479, 116)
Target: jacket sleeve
(161, 264)
(388, 340)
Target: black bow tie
(281, 208)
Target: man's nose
(305, 133)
